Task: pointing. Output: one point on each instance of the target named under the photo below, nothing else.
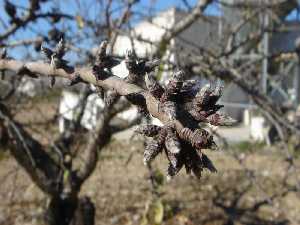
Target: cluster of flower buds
(204, 107)
(182, 101)
(182, 104)
(179, 100)
(103, 62)
(55, 58)
(179, 153)
(101, 68)
(138, 67)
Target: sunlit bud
(60, 48)
(172, 142)
(152, 149)
(153, 86)
(148, 130)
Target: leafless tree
(179, 105)
(180, 136)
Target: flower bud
(152, 149)
(148, 130)
(153, 86)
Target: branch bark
(111, 83)
(30, 154)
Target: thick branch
(30, 154)
(96, 141)
(111, 83)
(99, 138)
(187, 21)
(181, 121)
(30, 18)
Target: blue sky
(70, 7)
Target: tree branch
(30, 18)
(30, 154)
(177, 106)
(187, 21)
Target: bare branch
(31, 155)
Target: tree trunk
(71, 211)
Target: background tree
(54, 28)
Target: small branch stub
(55, 58)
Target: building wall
(204, 33)
(237, 101)
(148, 30)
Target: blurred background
(251, 47)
